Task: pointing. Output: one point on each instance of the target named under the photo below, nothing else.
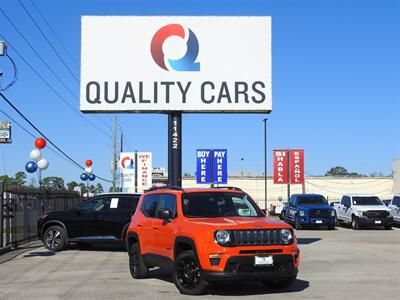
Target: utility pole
(114, 159)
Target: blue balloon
(92, 177)
(31, 166)
(84, 176)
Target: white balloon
(43, 164)
(89, 170)
(35, 154)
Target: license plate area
(378, 221)
(318, 221)
(263, 261)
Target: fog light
(215, 259)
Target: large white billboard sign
(188, 64)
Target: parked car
(102, 218)
(210, 235)
(395, 207)
(309, 209)
(363, 210)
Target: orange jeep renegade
(209, 235)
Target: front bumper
(317, 221)
(242, 268)
(364, 221)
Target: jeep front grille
(256, 237)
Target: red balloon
(40, 143)
(88, 163)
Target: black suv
(103, 218)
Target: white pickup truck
(395, 207)
(363, 210)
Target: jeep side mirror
(164, 214)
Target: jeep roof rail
(165, 187)
(233, 188)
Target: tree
(53, 183)
(337, 171)
(20, 178)
(99, 188)
(71, 185)
(83, 188)
(6, 181)
(340, 171)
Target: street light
(265, 164)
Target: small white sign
(114, 203)
(378, 222)
(318, 221)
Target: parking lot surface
(340, 264)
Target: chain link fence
(21, 207)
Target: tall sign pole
(175, 149)
(265, 164)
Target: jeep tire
(187, 274)
(55, 238)
(279, 284)
(136, 265)
(331, 227)
(388, 227)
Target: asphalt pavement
(340, 264)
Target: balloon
(31, 166)
(35, 154)
(84, 176)
(43, 164)
(92, 177)
(88, 163)
(40, 143)
(89, 170)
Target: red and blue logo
(188, 61)
(127, 163)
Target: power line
(51, 87)
(42, 134)
(47, 40)
(32, 135)
(43, 61)
(54, 48)
(55, 34)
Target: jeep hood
(239, 223)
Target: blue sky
(336, 79)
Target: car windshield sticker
(114, 202)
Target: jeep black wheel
(331, 227)
(136, 265)
(388, 227)
(279, 284)
(354, 223)
(55, 238)
(187, 274)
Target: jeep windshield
(219, 204)
(367, 201)
(311, 200)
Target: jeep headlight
(332, 213)
(222, 237)
(286, 236)
(301, 213)
(390, 213)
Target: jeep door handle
(156, 227)
(139, 225)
